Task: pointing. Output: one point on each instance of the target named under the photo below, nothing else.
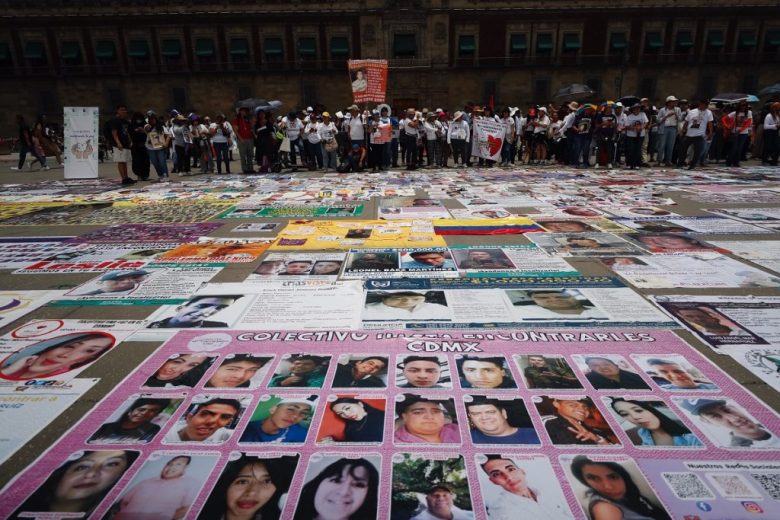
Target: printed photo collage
(228, 413)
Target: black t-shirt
(24, 134)
(122, 127)
(607, 130)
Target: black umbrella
(269, 106)
(629, 100)
(250, 103)
(771, 90)
(730, 97)
(574, 92)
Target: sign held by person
(369, 80)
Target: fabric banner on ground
(553, 402)
(488, 139)
(80, 129)
(369, 80)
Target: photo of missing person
(574, 421)
(610, 372)
(499, 421)
(184, 370)
(521, 486)
(406, 306)
(553, 304)
(482, 259)
(430, 488)
(56, 356)
(353, 419)
(280, 419)
(138, 422)
(251, 487)
(566, 226)
(300, 371)
(430, 260)
(239, 371)
(361, 371)
(674, 373)
(345, 488)
(658, 226)
(607, 489)
(209, 419)
(727, 424)
(617, 262)
(114, 283)
(707, 321)
(371, 261)
(65, 490)
(547, 372)
(484, 372)
(363, 234)
(651, 423)
(419, 420)
(422, 372)
(165, 487)
(669, 243)
(359, 81)
(326, 268)
(195, 312)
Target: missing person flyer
(438, 424)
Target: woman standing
(771, 141)
(222, 138)
(653, 427)
(330, 146)
(739, 124)
(157, 143)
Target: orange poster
(369, 80)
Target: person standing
(739, 124)
(222, 137)
(636, 125)
(411, 126)
(157, 143)
(771, 141)
(457, 137)
(313, 142)
(182, 139)
(120, 133)
(697, 127)
(26, 145)
(668, 117)
(327, 131)
(242, 126)
(140, 158)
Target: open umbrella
(269, 106)
(585, 107)
(574, 92)
(771, 90)
(629, 100)
(250, 103)
(730, 98)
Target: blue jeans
(737, 144)
(506, 152)
(158, 158)
(581, 149)
(666, 144)
(222, 155)
(330, 158)
(297, 145)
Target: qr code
(687, 486)
(770, 482)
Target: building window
(715, 40)
(541, 90)
(273, 50)
(618, 43)
(105, 52)
(35, 54)
(571, 43)
(171, 51)
(307, 48)
(684, 41)
(205, 50)
(653, 42)
(518, 44)
(544, 43)
(772, 40)
(467, 46)
(404, 46)
(647, 88)
(179, 99)
(339, 48)
(239, 50)
(138, 50)
(746, 40)
(71, 53)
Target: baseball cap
(695, 406)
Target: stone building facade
(203, 55)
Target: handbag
(331, 146)
(285, 146)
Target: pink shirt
(450, 434)
(158, 498)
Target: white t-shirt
(770, 123)
(738, 123)
(697, 122)
(293, 129)
(542, 122)
(458, 130)
(327, 131)
(632, 120)
(409, 129)
(221, 136)
(313, 137)
(356, 130)
(672, 119)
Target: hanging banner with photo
(369, 80)
(488, 139)
(81, 142)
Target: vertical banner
(81, 142)
(488, 138)
(369, 80)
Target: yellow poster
(315, 235)
(16, 209)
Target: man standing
(167, 497)
(120, 133)
(697, 128)
(360, 374)
(245, 139)
(25, 144)
(207, 422)
(440, 502)
(668, 117)
(282, 423)
(568, 425)
(411, 129)
(491, 424)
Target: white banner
(81, 127)
(488, 139)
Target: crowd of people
(679, 133)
